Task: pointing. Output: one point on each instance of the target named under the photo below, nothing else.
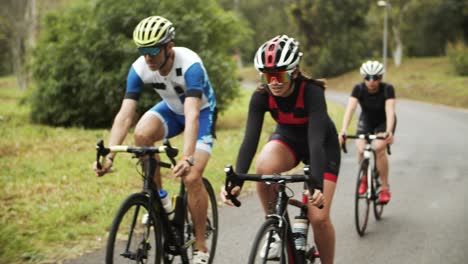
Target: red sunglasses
(278, 77)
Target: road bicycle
(293, 246)
(141, 231)
(368, 169)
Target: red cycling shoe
(363, 185)
(384, 196)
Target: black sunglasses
(152, 51)
(373, 77)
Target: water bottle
(167, 204)
(300, 228)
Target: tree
(266, 19)
(332, 33)
(83, 56)
(18, 26)
(431, 24)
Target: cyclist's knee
(193, 181)
(320, 220)
(380, 151)
(142, 139)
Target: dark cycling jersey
(373, 104)
(302, 120)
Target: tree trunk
(398, 52)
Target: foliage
(431, 24)
(265, 18)
(83, 56)
(332, 34)
(458, 56)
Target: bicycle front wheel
(269, 245)
(211, 233)
(135, 234)
(361, 201)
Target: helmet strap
(166, 57)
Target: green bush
(83, 56)
(458, 56)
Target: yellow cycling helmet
(152, 31)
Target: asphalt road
(427, 219)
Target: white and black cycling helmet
(153, 31)
(372, 68)
(280, 53)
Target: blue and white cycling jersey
(187, 73)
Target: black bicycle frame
(173, 236)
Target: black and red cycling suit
(303, 125)
(373, 118)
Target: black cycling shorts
(299, 149)
(367, 127)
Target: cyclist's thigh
(360, 145)
(150, 128)
(275, 157)
(379, 145)
(172, 123)
(364, 127)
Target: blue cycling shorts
(174, 124)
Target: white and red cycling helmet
(280, 53)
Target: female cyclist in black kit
(304, 132)
(377, 101)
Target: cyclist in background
(188, 105)
(377, 101)
(304, 132)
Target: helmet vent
(270, 59)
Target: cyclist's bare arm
(390, 114)
(122, 123)
(350, 108)
(192, 107)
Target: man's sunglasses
(152, 51)
(278, 77)
(372, 77)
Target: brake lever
(99, 147)
(229, 172)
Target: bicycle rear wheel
(211, 234)
(378, 207)
(135, 234)
(361, 202)
(266, 247)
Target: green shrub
(83, 56)
(458, 57)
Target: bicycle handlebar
(235, 178)
(368, 137)
(166, 147)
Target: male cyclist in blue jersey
(377, 101)
(188, 105)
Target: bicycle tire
(378, 207)
(361, 202)
(262, 243)
(129, 220)
(211, 234)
